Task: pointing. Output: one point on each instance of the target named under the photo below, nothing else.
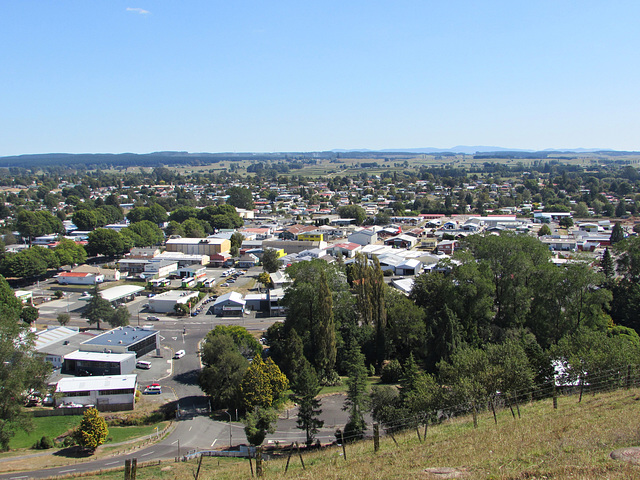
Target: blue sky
(212, 76)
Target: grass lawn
(122, 434)
(49, 426)
(342, 388)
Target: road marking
(214, 442)
(112, 463)
(67, 471)
(24, 476)
(145, 454)
(175, 338)
(190, 427)
(161, 337)
(173, 443)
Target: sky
(142, 76)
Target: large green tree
(98, 309)
(356, 400)
(240, 197)
(305, 394)
(92, 431)
(104, 241)
(22, 369)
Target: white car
(179, 354)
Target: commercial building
(128, 339)
(198, 246)
(166, 302)
(121, 293)
(56, 342)
(99, 363)
(230, 304)
(111, 393)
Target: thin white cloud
(141, 11)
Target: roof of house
(76, 274)
(230, 297)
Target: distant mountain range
(470, 150)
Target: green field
(53, 427)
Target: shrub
(391, 372)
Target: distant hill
(470, 150)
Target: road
(179, 379)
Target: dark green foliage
(258, 422)
(240, 197)
(98, 309)
(224, 368)
(353, 211)
(143, 234)
(356, 401)
(29, 314)
(107, 242)
(270, 260)
(391, 371)
(617, 234)
(305, 392)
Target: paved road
(179, 381)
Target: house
(110, 274)
(280, 279)
(230, 304)
(448, 246)
(347, 250)
(110, 393)
(248, 260)
(79, 278)
(221, 259)
(401, 241)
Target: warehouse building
(99, 363)
(198, 246)
(166, 302)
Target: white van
(143, 364)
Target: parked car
(143, 364)
(179, 354)
(154, 389)
(153, 319)
(48, 400)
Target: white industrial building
(99, 363)
(229, 304)
(108, 393)
(166, 302)
(79, 278)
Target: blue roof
(127, 335)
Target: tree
(258, 422)
(270, 260)
(621, 209)
(305, 393)
(353, 211)
(246, 343)
(174, 228)
(221, 216)
(181, 309)
(236, 242)
(98, 309)
(35, 224)
(70, 252)
(223, 371)
(263, 384)
(143, 233)
(107, 242)
(265, 279)
(63, 319)
(22, 369)
(324, 332)
(29, 314)
(606, 264)
(119, 317)
(617, 234)
(544, 230)
(240, 197)
(86, 220)
(92, 431)
(194, 228)
(566, 222)
(356, 399)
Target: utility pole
(227, 412)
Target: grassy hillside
(573, 441)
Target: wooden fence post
(300, 455)
(134, 468)
(127, 469)
(259, 472)
(376, 437)
(289, 458)
(344, 449)
(555, 396)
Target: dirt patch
(444, 472)
(628, 454)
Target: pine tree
(617, 234)
(305, 392)
(606, 264)
(97, 309)
(324, 331)
(356, 399)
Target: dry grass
(572, 442)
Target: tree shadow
(188, 378)
(74, 452)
